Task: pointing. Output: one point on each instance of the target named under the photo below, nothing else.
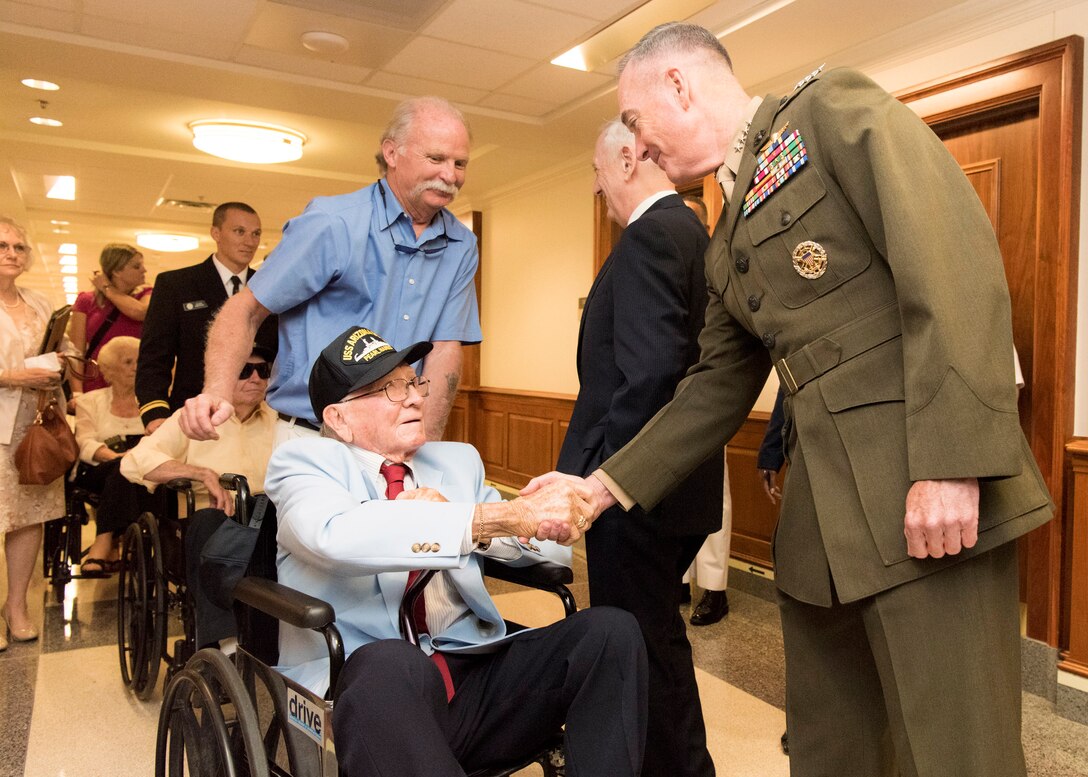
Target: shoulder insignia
(801, 85)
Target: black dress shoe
(685, 593)
(786, 742)
(711, 608)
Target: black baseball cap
(261, 352)
(357, 357)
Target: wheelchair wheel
(132, 606)
(156, 606)
(207, 725)
(141, 607)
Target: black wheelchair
(241, 717)
(63, 540)
(153, 586)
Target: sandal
(102, 567)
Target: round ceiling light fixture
(321, 42)
(247, 141)
(42, 121)
(37, 83)
(167, 243)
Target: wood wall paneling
(1075, 656)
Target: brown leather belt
(846, 342)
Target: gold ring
(581, 522)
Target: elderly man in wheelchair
(369, 505)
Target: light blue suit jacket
(339, 541)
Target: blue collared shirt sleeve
(311, 254)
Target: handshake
(551, 507)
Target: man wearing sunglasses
(371, 502)
(243, 447)
(389, 255)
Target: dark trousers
(922, 680)
(634, 567)
(587, 671)
(120, 501)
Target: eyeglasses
(20, 249)
(263, 370)
(396, 390)
(433, 247)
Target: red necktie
(394, 475)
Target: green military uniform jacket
(899, 349)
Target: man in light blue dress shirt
(389, 255)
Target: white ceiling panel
(409, 86)
(520, 28)
(556, 84)
(51, 16)
(279, 28)
(599, 10)
(512, 104)
(456, 63)
(302, 64)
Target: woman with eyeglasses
(117, 307)
(108, 425)
(243, 446)
(24, 315)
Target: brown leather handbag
(49, 449)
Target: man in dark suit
(638, 336)
(172, 345)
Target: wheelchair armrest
(240, 486)
(184, 486)
(283, 603)
(545, 575)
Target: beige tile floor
(116, 732)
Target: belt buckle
(786, 377)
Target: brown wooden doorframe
(1050, 76)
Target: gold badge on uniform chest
(810, 259)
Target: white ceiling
(134, 73)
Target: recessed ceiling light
(59, 231)
(70, 269)
(247, 141)
(42, 121)
(71, 298)
(167, 243)
(63, 187)
(36, 83)
(69, 259)
(68, 248)
(59, 222)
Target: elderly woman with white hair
(107, 426)
(24, 315)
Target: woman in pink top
(119, 303)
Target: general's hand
(424, 494)
(590, 489)
(202, 414)
(941, 517)
(769, 479)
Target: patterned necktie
(235, 284)
(394, 475)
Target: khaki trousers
(922, 680)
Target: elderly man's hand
(219, 497)
(590, 489)
(424, 494)
(201, 414)
(941, 517)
